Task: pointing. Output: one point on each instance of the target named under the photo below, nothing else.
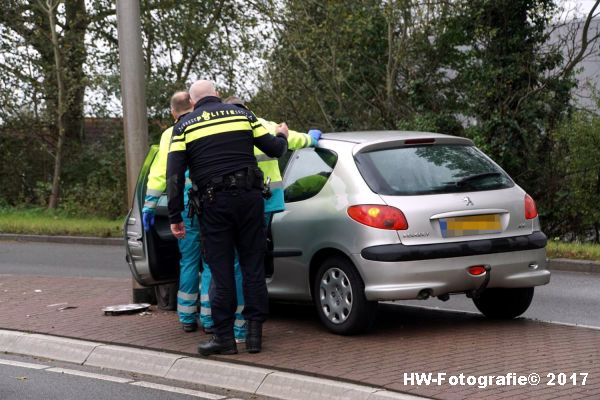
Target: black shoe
(254, 337)
(190, 327)
(225, 346)
(208, 330)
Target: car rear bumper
(401, 252)
(404, 280)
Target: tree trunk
(74, 57)
(50, 8)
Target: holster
(256, 178)
(194, 202)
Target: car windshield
(430, 169)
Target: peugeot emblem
(467, 201)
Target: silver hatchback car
(385, 215)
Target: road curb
(61, 239)
(566, 264)
(288, 386)
(147, 362)
(54, 348)
(217, 374)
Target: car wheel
(504, 303)
(339, 295)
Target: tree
(515, 83)
(53, 50)
(504, 76)
(326, 67)
(182, 41)
(49, 8)
(53, 84)
(574, 212)
(367, 64)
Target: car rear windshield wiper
(470, 179)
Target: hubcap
(335, 295)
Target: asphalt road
(57, 259)
(25, 378)
(571, 297)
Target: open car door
(153, 256)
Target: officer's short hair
(236, 101)
(180, 102)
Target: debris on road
(59, 307)
(126, 308)
(56, 304)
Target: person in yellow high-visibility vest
(190, 246)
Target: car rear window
(430, 169)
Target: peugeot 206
(379, 216)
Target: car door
(153, 256)
(305, 175)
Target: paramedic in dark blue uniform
(216, 142)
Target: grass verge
(573, 250)
(44, 222)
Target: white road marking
(174, 389)
(90, 375)
(23, 365)
(149, 385)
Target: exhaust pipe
(444, 297)
(424, 294)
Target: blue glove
(315, 135)
(147, 220)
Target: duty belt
(244, 179)
(236, 180)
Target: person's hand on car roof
(315, 135)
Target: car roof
(381, 136)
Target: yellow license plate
(470, 225)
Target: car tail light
(377, 216)
(530, 208)
(476, 270)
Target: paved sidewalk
(405, 340)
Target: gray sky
(584, 6)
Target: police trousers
(207, 288)
(234, 220)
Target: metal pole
(133, 97)
(133, 91)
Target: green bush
(93, 181)
(570, 209)
(96, 183)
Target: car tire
(339, 295)
(504, 303)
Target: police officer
(273, 204)
(216, 142)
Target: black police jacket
(214, 140)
